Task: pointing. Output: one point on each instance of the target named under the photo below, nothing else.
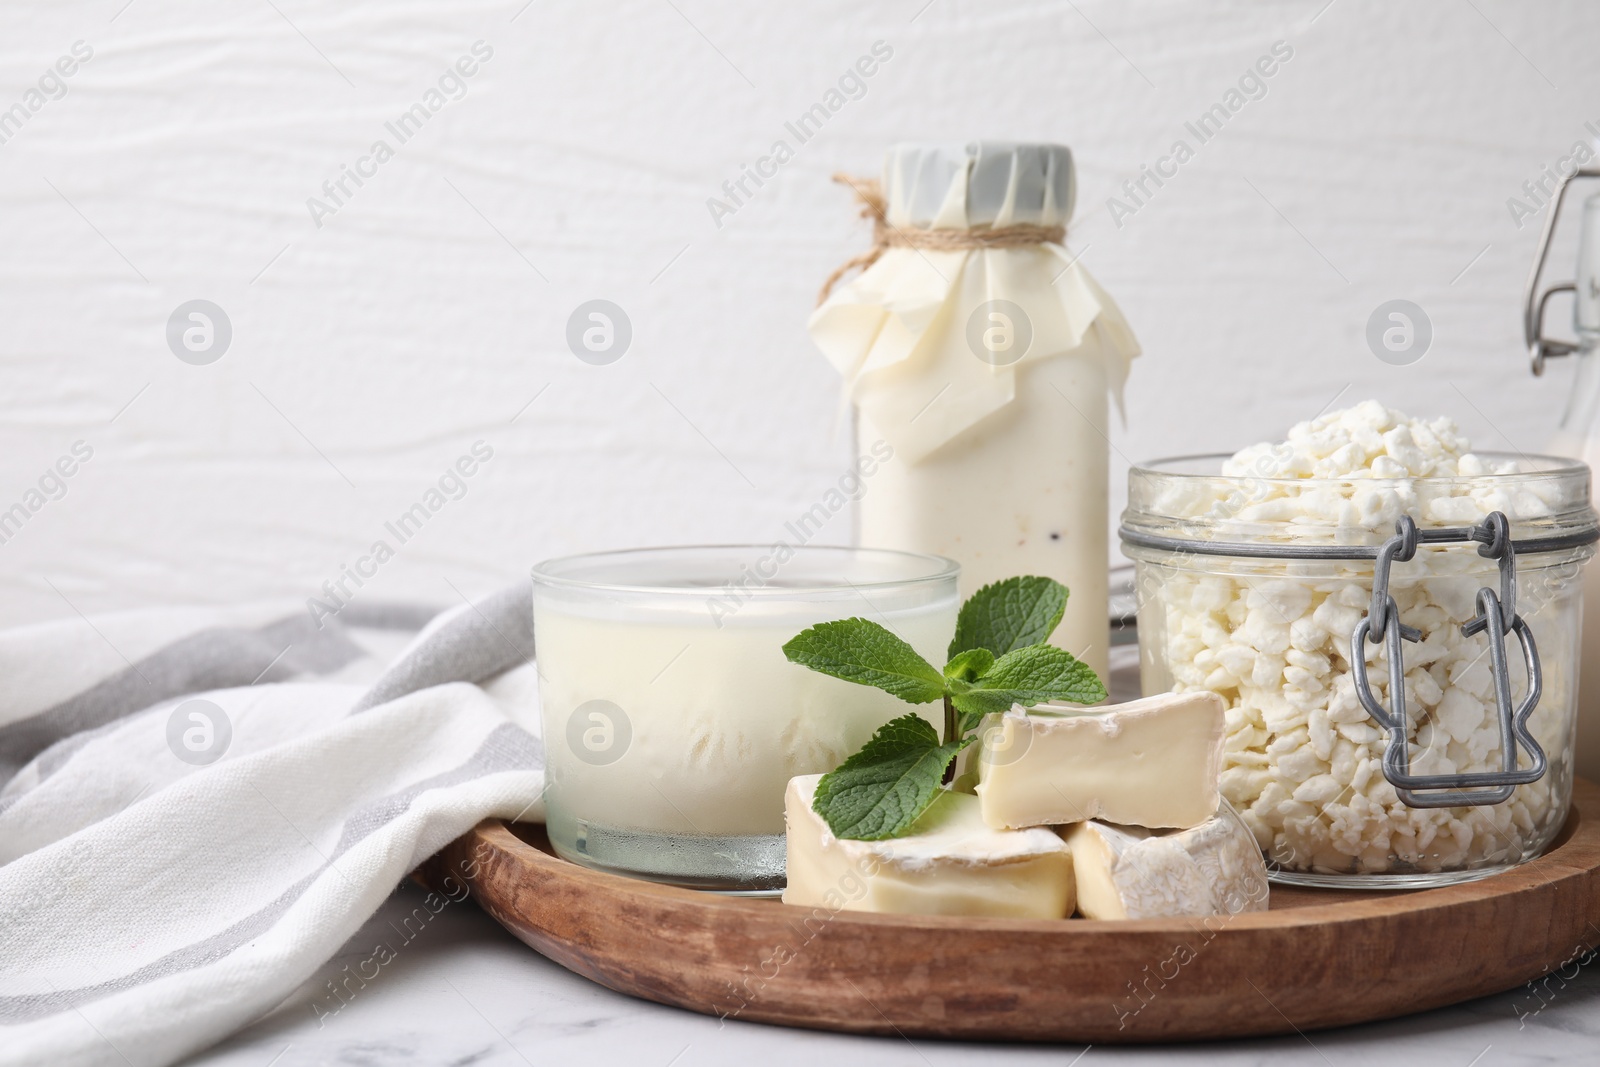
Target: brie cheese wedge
(1153, 762)
(950, 863)
(1127, 872)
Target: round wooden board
(1318, 958)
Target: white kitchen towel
(199, 807)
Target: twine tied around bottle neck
(886, 235)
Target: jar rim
(619, 570)
(1246, 521)
(1549, 466)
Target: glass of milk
(673, 721)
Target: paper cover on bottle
(898, 332)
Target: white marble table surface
(464, 991)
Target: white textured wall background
(370, 353)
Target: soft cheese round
(950, 833)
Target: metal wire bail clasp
(1497, 617)
(1540, 347)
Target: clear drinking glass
(1273, 636)
(673, 721)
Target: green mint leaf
(1030, 676)
(882, 789)
(968, 666)
(863, 652)
(1009, 615)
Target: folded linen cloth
(199, 807)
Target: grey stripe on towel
(492, 636)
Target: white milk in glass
(673, 721)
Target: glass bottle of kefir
(980, 352)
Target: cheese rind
(1131, 873)
(950, 863)
(1153, 762)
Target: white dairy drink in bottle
(985, 356)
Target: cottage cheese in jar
(1231, 601)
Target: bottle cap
(979, 183)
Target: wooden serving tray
(1318, 958)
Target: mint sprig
(998, 659)
(889, 783)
